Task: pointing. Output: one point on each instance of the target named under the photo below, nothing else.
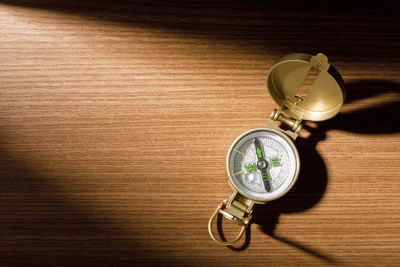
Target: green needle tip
(259, 153)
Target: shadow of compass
(379, 106)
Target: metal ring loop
(230, 217)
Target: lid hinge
(294, 125)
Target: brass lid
(306, 87)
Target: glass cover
(263, 164)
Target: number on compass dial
(263, 164)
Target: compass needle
(262, 164)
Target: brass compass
(263, 163)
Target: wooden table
(116, 118)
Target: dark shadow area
(41, 225)
(381, 118)
(344, 30)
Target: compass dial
(263, 164)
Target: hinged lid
(306, 87)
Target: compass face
(263, 164)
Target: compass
(263, 164)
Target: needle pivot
(262, 164)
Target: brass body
(323, 100)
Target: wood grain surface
(116, 117)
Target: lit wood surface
(116, 119)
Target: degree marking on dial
(238, 173)
(238, 152)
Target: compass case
(306, 87)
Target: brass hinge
(294, 125)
